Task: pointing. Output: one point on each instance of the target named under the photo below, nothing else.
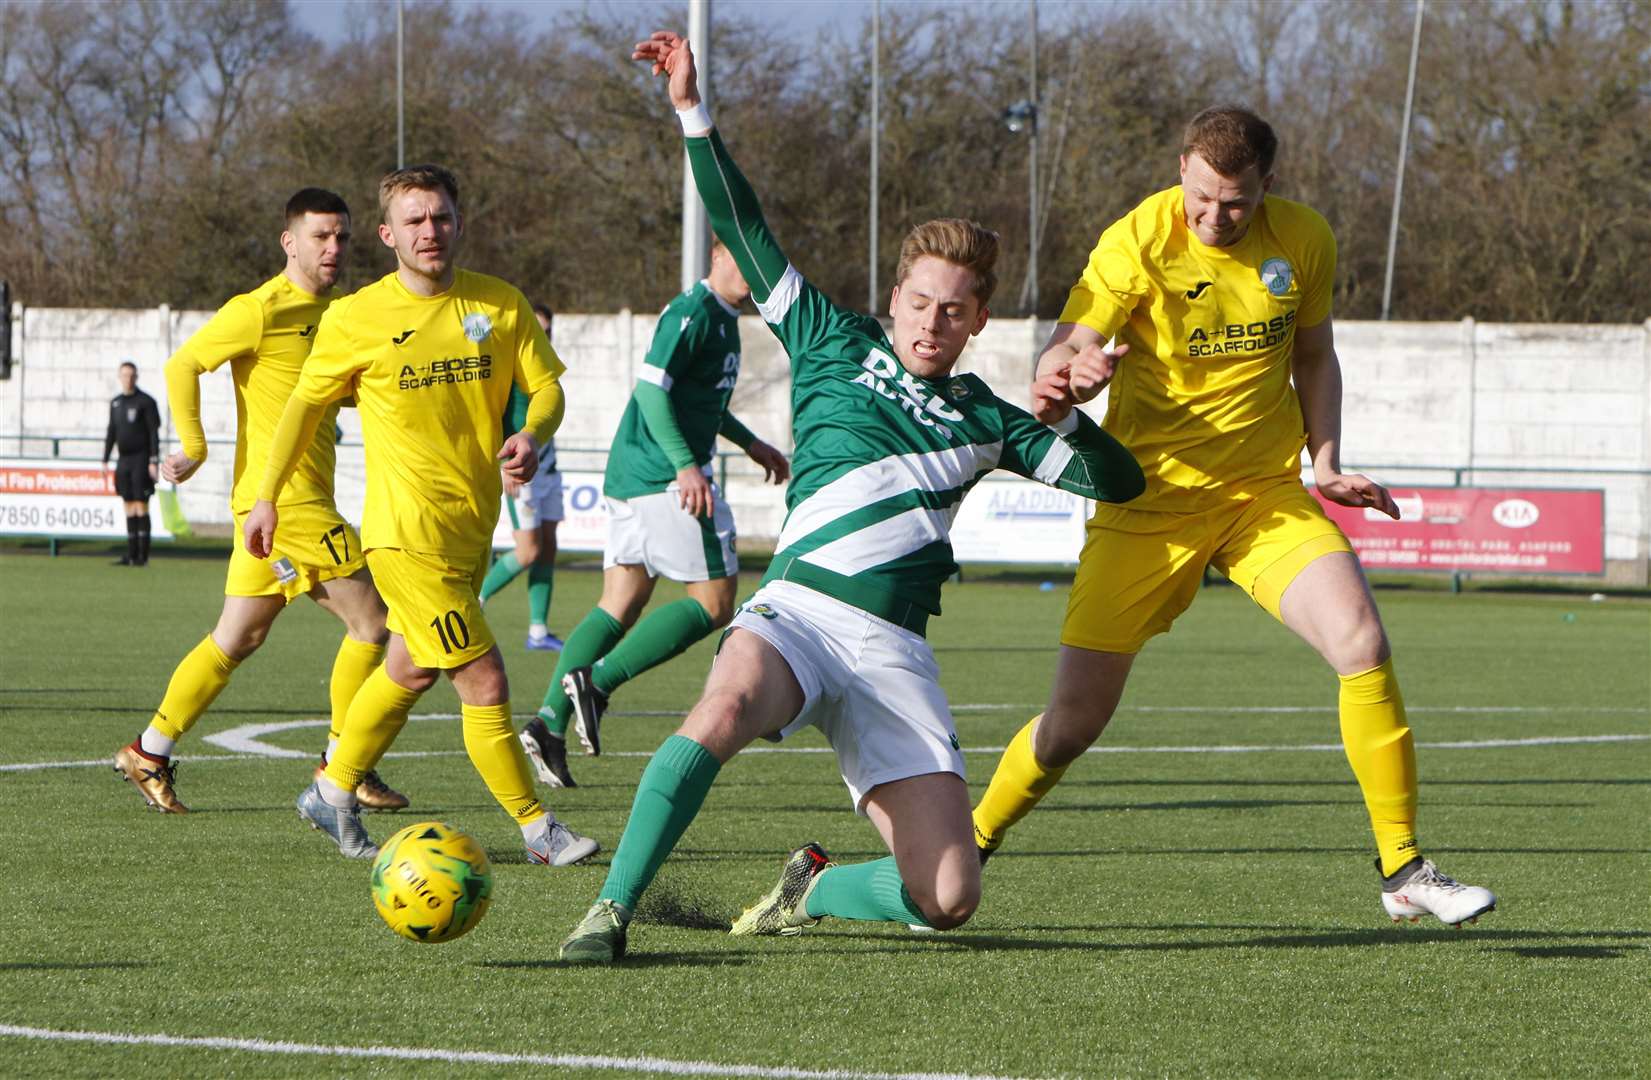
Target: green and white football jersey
(883, 458)
(695, 359)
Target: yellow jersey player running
(429, 352)
(265, 336)
(1218, 295)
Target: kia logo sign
(1515, 514)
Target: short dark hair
(416, 178)
(542, 310)
(314, 200)
(124, 364)
(1231, 138)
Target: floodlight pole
(696, 227)
(401, 96)
(876, 140)
(1404, 150)
(1032, 175)
(1029, 291)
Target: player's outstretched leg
(672, 789)
(1088, 686)
(1018, 784)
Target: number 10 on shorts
(453, 632)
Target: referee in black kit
(135, 427)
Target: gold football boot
(153, 779)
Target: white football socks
(333, 795)
(154, 743)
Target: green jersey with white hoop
(883, 457)
(694, 360)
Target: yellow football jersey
(430, 376)
(265, 336)
(1204, 398)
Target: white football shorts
(655, 533)
(871, 687)
(540, 499)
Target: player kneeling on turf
(888, 442)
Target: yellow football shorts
(433, 604)
(312, 537)
(1139, 569)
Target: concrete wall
(1488, 398)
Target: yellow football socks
(490, 740)
(350, 668)
(1379, 747)
(376, 716)
(1017, 785)
(196, 682)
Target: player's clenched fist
(1092, 368)
(520, 457)
(259, 530)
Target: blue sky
(330, 18)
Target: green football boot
(600, 936)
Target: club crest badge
(477, 326)
(1277, 275)
(764, 610)
(958, 390)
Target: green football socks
(593, 637)
(869, 891)
(502, 573)
(672, 790)
(540, 577)
(665, 633)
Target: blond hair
(416, 178)
(958, 241)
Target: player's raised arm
(730, 203)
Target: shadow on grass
(1388, 937)
(1259, 804)
(1119, 783)
(68, 965)
(1572, 952)
(1089, 853)
(631, 961)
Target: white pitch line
(667, 1066)
(254, 750)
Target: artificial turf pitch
(1169, 910)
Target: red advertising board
(1503, 530)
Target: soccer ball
(431, 882)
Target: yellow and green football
(431, 882)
